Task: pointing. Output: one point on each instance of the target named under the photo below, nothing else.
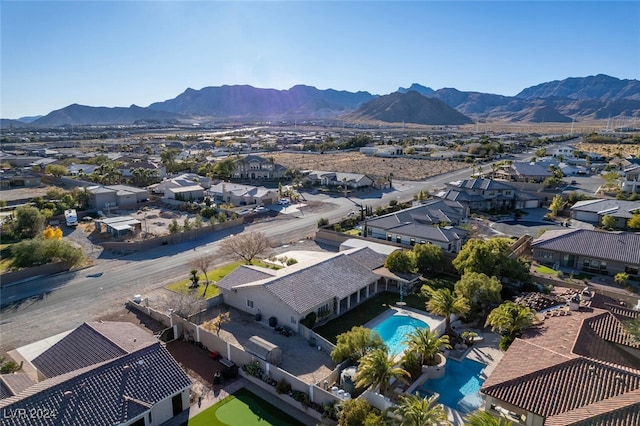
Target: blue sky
(108, 53)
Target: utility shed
(264, 350)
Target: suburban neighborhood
(326, 293)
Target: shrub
(505, 342)
(283, 387)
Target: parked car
(284, 202)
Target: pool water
(395, 329)
(459, 388)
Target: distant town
(315, 272)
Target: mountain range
(583, 98)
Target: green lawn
(243, 408)
(214, 276)
(364, 313)
(545, 270)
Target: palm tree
(482, 418)
(377, 368)
(511, 319)
(426, 344)
(445, 303)
(633, 328)
(416, 411)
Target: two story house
(487, 194)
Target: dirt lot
(354, 162)
(608, 149)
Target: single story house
(81, 169)
(591, 251)
(327, 284)
(18, 179)
(593, 211)
(192, 192)
(324, 178)
(242, 195)
(487, 194)
(185, 179)
(527, 172)
(116, 196)
(101, 373)
(577, 369)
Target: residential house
(351, 180)
(81, 169)
(116, 196)
(254, 167)
(328, 284)
(577, 369)
(631, 182)
(18, 179)
(525, 172)
(428, 223)
(242, 195)
(383, 150)
(593, 211)
(591, 251)
(185, 179)
(486, 194)
(101, 373)
(192, 192)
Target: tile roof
(305, 288)
(12, 384)
(568, 385)
(530, 169)
(484, 184)
(245, 274)
(432, 212)
(99, 342)
(108, 393)
(621, 247)
(615, 208)
(367, 257)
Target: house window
(369, 231)
(250, 303)
(603, 266)
(389, 236)
(398, 239)
(293, 320)
(323, 311)
(412, 242)
(585, 263)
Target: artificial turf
(243, 408)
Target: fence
(183, 327)
(34, 271)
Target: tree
(427, 256)
(202, 263)
(483, 418)
(610, 179)
(355, 343)
(216, 323)
(52, 233)
(29, 222)
(174, 227)
(608, 221)
(445, 303)
(510, 319)
(417, 411)
(39, 251)
(358, 412)
(246, 246)
(193, 276)
(621, 278)
(480, 290)
(56, 170)
(490, 257)
(633, 328)
(556, 204)
(426, 344)
(401, 261)
(377, 368)
(634, 221)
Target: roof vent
(68, 394)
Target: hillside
(600, 86)
(410, 107)
(81, 114)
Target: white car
(284, 202)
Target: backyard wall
(34, 271)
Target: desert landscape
(355, 162)
(608, 149)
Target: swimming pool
(459, 388)
(395, 329)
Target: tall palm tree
(426, 344)
(416, 411)
(445, 303)
(377, 368)
(482, 418)
(511, 319)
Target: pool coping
(432, 321)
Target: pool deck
(484, 350)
